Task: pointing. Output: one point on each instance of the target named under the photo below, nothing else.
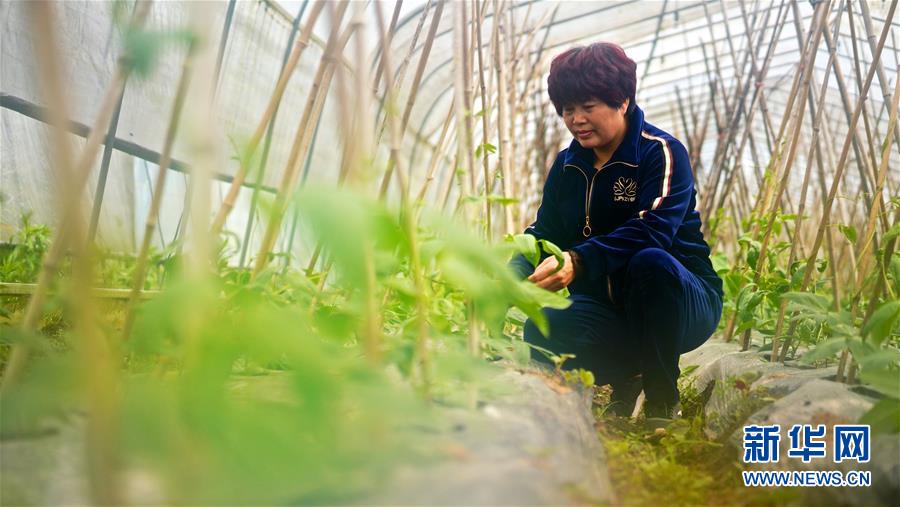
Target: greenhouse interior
(449, 252)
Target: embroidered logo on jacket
(624, 190)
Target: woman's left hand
(545, 275)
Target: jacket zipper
(586, 231)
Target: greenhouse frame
(258, 252)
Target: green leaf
(849, 232)
(720, 262)
(886, 382)
(501, 200)
(487, 147)
(587, 378)
(884, 417)
(824, 350)
(553, 250)
(892, 233)
(860, 349)
(545, 298)
(879, 326)
(807, 300)
(528, 246)
(879, 360)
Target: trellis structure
(756, 93)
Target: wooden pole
(417, 80)
(313, 109)
(882, 78)
(70, 200)
(807, 63)
(485, 122)
(140, 267)
(274, 100)
(503, 151)
(839, 169)
(408, 218)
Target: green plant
(22, 262)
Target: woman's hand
(545, 275)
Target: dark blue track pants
(667, 310)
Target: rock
(705, 356)
(45, 470)
(536, 446)
(816, 402)
(717, 360)
(782, 380)
(530, 441)
(735, 397)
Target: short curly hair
(601, 71)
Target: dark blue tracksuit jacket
(648, 291)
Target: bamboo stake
(839, 169)
(447, 187)
(763, 199)
(417, 80)
(391, 30)
(468, 57)
(726, 106)
(815, 152)
(876, 198)
(401, 71)
(757, 98)
(882, 78)
(861, 160)
(722, 139)
(502, 120)
(462, 106)
(92, 348)
(201, 141)
(358, 155)
(512, 57)
(140, 268)
(485, 122)
(768, 189)
(313, 109)
(70, 200)
(807, 63)
(755, 71)
(435, 156)
(879, 286)
(715, 83)
(408, 219)
(867, 240)
(274, 100)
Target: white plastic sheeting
(90, 42)
(665, 37)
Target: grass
(677, 466)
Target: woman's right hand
(549, 276)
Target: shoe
(660, 415)
(624, 396)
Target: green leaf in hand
(553, 250)
(527, 246)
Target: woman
(620, 201)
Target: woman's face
(596, 125)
